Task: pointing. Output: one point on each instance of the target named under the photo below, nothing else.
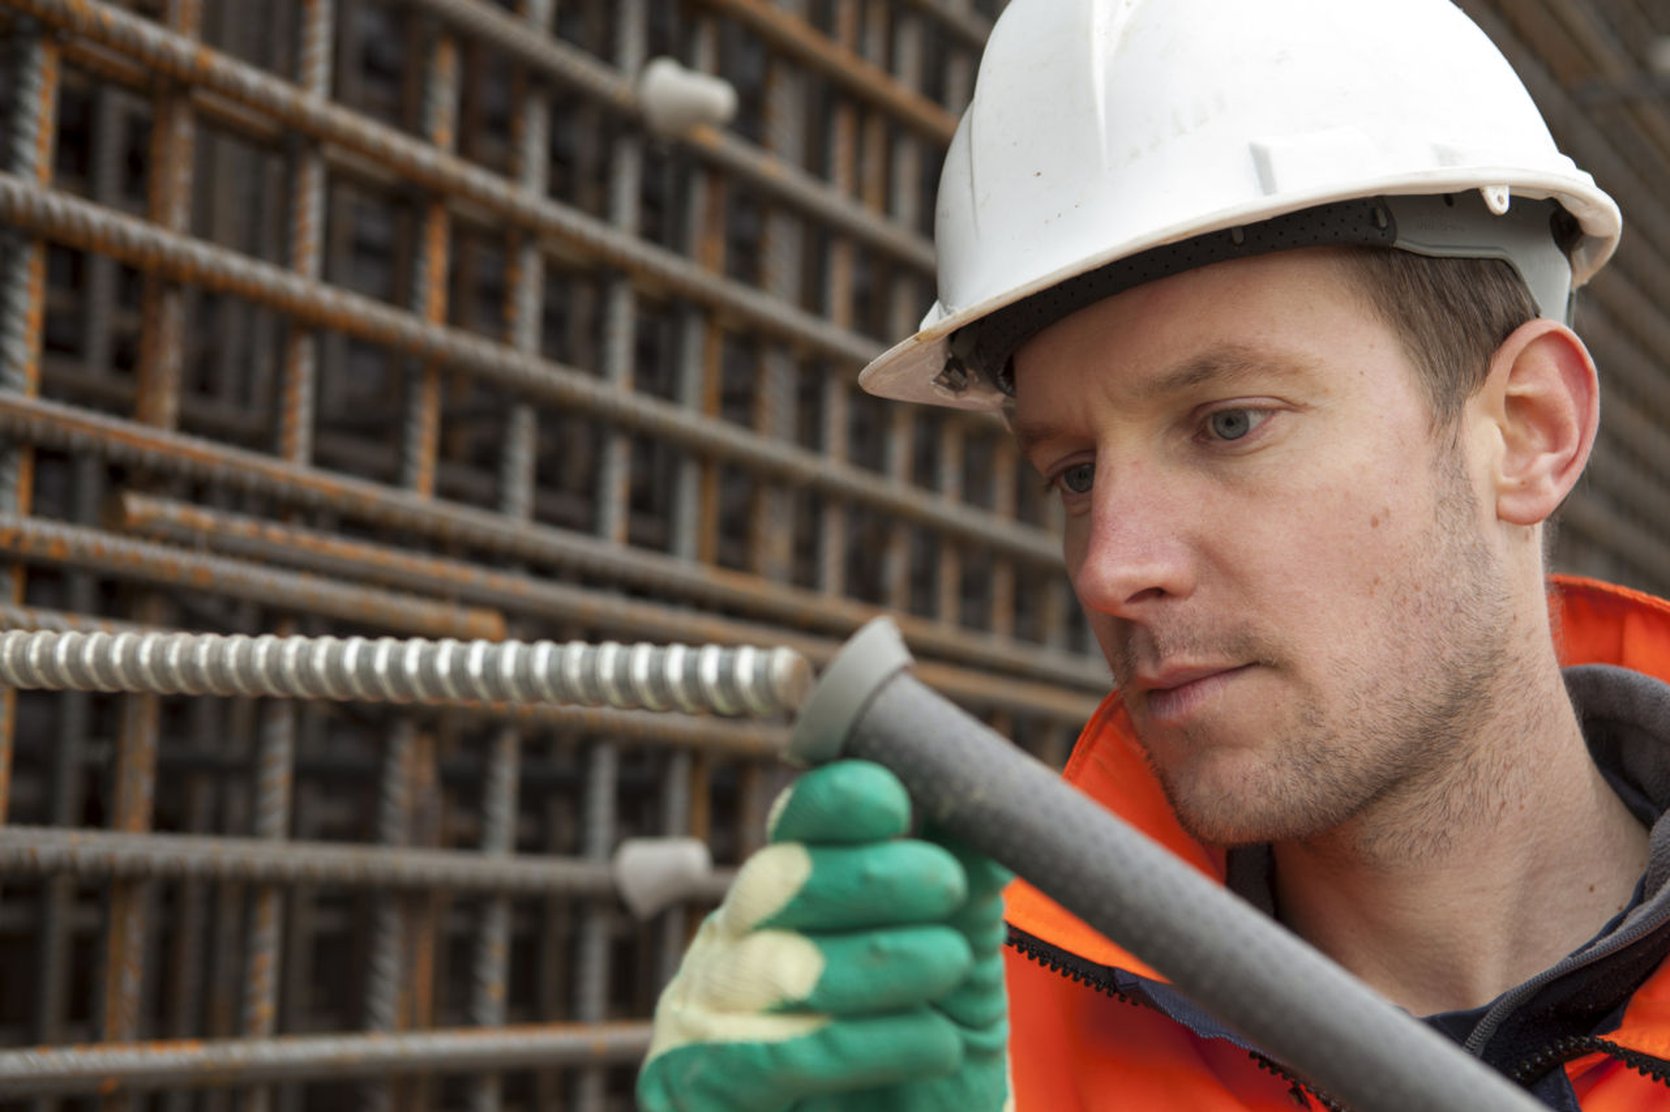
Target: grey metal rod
(1290, 1000)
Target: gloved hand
(850, 968)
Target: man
(1274, 297)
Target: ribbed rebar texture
(711, 679)
(98, 854)
(121, 1068)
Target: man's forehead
(1215, 322)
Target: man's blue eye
(1078, 479)
(1231, 424)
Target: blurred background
(460, 318)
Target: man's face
(1288, 569)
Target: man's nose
(1136, 550)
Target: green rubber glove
(850, 968)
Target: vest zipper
(1059, 961)
(1085, 973)
(1533, 1069)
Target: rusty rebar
(312, 1058)
(306, 232)
(385, 973)
(36, 851)
(51, 542)
(31, 127)
(274, 783)
(33, 109)
(855, 75)
(524, 294)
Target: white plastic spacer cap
(1658, 56)
(676, 100)
(654, 873)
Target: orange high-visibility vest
(1078, 1042)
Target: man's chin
(1233, 807)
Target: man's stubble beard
(1387, 736)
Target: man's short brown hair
(1452, 315)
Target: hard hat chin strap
(1530, 235)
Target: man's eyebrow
(1222, 366)
(1029, 434)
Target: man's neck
(1454, 891)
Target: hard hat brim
(911, 370)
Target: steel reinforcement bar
(709, 678)
(35, 540)
(46, 851)
(131, 1067)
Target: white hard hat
(1111, 142)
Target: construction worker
(1275, 297)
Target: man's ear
(1544, 395)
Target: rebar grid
(449, 212)
(367, 317)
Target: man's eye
(1077, 479)
(1233, 424)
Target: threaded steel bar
(313, 1058)
(736, 738)
(711, 678)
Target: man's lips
(1171, 694)
(1169, 679)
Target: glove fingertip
(841, 803)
